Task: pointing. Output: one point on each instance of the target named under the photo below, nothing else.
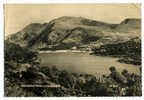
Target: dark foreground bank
(22, 68)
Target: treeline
(129, 51)
(22, 67)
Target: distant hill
(77, 31)
(130, 25)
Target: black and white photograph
(72, 50)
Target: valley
(84, 57)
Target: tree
(117, 76)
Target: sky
(17, 16)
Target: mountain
(130, 25)
(77, 31)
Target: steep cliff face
(75, 30)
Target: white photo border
(61, 1)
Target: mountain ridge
(76, 31)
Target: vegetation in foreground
(22, 67)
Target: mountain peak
(70, 17)
(132, 25)
(131, 21)
(75, 30)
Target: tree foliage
(22, 67)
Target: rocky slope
(77, 31)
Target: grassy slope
(74, 30)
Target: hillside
(75, 31)
(130, 25)
(25, 76)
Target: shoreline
(64, 51)
(120, 59)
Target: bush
(25, 70)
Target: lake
(85, 63)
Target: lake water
(84, 63)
